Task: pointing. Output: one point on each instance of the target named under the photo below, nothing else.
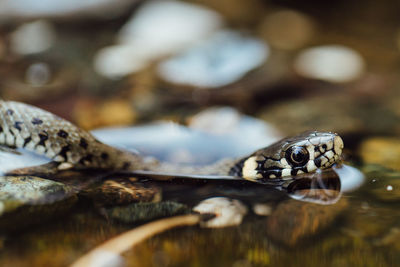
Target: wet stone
(221, 60)
(27, 200)
(331, 63)
(123, 191)
(34, 37)
(157, 29)
(381, 150)
(301, 220)
(140, 212)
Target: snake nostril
(317, 162)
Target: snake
(24, 126)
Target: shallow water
(359, 229)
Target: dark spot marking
(37, 121)
(1, 129)
(293, 172)
(43, 137)
(324, 146)
(126, 165)
(317, 162)
(17, 125)
(316, 149)
(104, 156)
(83, 143)
(26, 141)
(237, 169)
(10, 112)
(86, 159)
(63, 134)
(260, 165)
(63, 152)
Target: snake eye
(297, 156)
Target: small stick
(110, 251)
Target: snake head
(304, 153)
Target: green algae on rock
(140, 212)
(25, 200)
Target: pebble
(118, 61)
(157, 29)
(228, 212)
(262, 209)
(331, 63)
(221, 60)
(384, 151)
(38, 74)
(33, 37)
(301, 220)
(287, 29)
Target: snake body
(28, 127)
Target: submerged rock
(140, 212)
(26, 200)
(123, 191)
(221, 60)
(301, 220)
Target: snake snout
(328, 152)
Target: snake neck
(223, 167)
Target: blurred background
(296, 65)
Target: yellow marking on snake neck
(249, 171)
